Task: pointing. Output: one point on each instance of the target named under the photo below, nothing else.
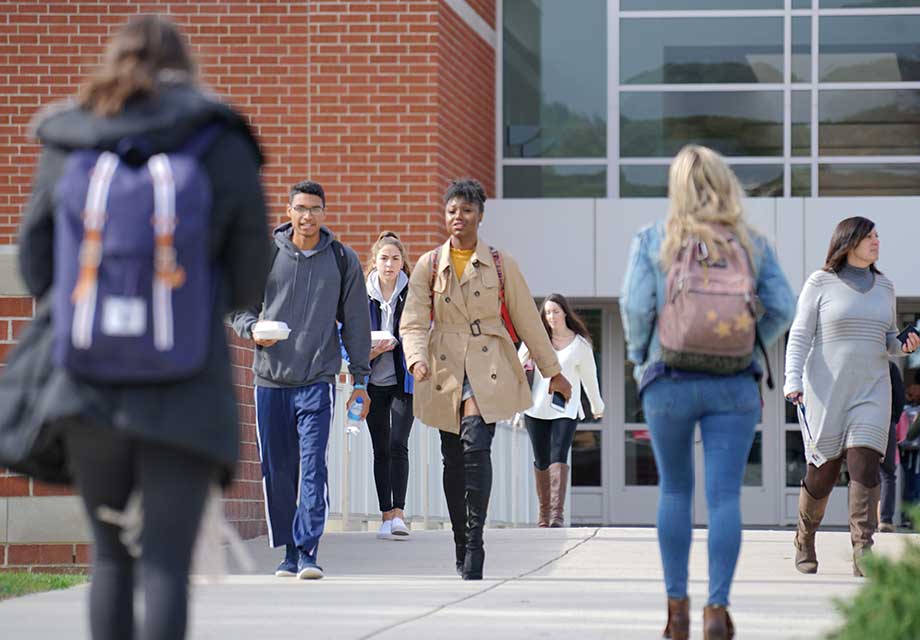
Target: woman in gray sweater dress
(837, 374)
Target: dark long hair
(572, 320)
(847, 236)
(136, 55)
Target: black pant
(174, 486)
(551, 440)
(390, 422)
(889, 476)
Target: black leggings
(390, 422)
(862, 466)
(174, 486)
(551, 440)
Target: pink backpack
(709, 318)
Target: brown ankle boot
(863, 504)
(542, 479)
(558, 481)
(811, 512)
(717, 624)
(678, 627)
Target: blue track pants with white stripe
(293, 426)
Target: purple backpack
(133, 281)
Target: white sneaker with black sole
(385, 532)
(399, 529)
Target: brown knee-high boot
(863, 503)
(541, 476)
(811, 512)
(558, 481)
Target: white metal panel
(551, 239)
(896, 220)
(790, 249)
(617, 223)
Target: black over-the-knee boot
(476, 436)
(452, 453)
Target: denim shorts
(467, 391)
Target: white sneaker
(385, 532)
(399, 528)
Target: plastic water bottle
(353, 418)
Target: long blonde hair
(139, 52)
(387, 238)
(704, 193)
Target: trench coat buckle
(475, 329)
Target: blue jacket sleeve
(638, 304)
(776, 296)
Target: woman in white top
(552, 426)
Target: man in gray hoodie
(315, 283)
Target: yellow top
(460, 258)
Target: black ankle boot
(476, 436)
(461, 557)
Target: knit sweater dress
(837, 356)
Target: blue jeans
(728, 410)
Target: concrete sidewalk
(550, 583)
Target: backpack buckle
(475, 329)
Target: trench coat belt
(475, 328)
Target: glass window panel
(738, 123)
(801, 49)
(801, 4)
(801, 188)
(870, 49)
(593, 319)
(692, 5)
(559, 181)
(869, 180)
(868, 123)
(651, 181)
(801, 123)
(753, 471)
(555, 78)
(693, 50)
(640, 461)
(643, 181)
(760, 180)
(796, 465)
(868, 4)
(632, 406)
(586, 459)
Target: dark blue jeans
(728, 410)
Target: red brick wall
(382, 102)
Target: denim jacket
(644, 293)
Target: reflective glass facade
(822, 99)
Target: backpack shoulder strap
(499, 267)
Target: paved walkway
(574, 583)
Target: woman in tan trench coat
(466, 368)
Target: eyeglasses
(315, 211)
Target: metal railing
(352, 493)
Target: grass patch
(13, 585)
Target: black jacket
(198, 414)
(898, 394)
(404, 381)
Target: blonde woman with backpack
(701, 290)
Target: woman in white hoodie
(552, 426)
(390, 387)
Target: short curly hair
(466, 189)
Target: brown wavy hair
(384, 239)
(847, 236)
(139, 52)
(572, 320)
